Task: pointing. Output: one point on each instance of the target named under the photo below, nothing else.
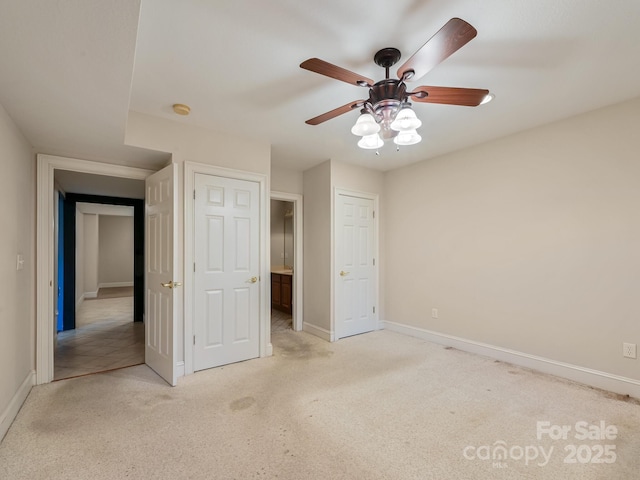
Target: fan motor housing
(387, 95)
(388, 89)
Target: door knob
(253, 279)
(171, 284)
(343, 273)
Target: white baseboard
(85, 296)
(180, 369)
(586, 376)
(9, 414)
(318, 331)
(115, 284)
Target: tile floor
(280, 321)
(106, 338)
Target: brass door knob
(253, 279)
(171, 284)
(343, 273)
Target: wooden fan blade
(451, 37)
(469, 97)
(325, 68)
(335, 112)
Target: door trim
(376, 243)
(45, 252)
(190, 170)
(298, 263)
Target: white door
(160, 231)
(355, 270)
(226, 323)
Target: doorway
(96, 178)
(103, 328)
(286, 261)
(282, 265)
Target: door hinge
(374, 262)
(194, 339)
(194, 194)
(374, 309)
(194, 267)
(374, 214)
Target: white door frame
(296, 199)
(376, 243)
(190, 169)
(45, 252)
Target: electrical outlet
(434, 313)
(629, 350)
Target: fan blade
(455, 34)
(335, 112)
(324, 68)
(470, 97)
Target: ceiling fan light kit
(409, 137)
(405, 120)
(387, 113)
(365, 125)
(371, 142)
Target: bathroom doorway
(286, 262)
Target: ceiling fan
(387, 112)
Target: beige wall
(79, 295)
(530, 242)
(79, 257)
(17, 287)
(194, 144)
(277, 232)
(90, 255)
(86, 256)
(115, 251)
(286, 181)
(317, 248)
(282, 236)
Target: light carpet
(374, 406)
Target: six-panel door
(226, 278)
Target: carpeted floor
(373, 406)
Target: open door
(161, 232)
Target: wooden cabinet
(281, 292)
(276, 289)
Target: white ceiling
(68, 76)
